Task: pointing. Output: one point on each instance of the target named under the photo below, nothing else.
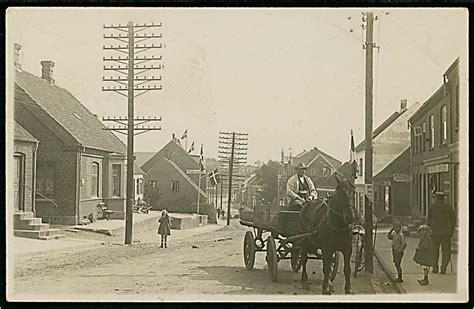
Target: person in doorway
(399, 245)
(441, 221)
(424, 253)
(165, 227)
(300, 188)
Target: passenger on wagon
(300, 189)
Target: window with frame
(45, 180)
(432, 132)
(175, 186)
(361, 167)
(152, 183)
(139, 185)
(116, 180)
(423, 141)
(444, 125)
(95, 179)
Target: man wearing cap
(300, 188)
(441, 221)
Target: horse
(328, 225)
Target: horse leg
(304, 274)
(326, 271)
(347, 270)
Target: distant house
(176, 174)
(390, 141)
(249, 191)
(327, 187)
(79, 165)
(320, 166)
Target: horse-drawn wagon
(277, 231)
(319, 231)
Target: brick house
(79, 164)
(320, 166)
(391, 140)
(435, 145)
(24, 177)
(176, 174)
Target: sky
(290, 78)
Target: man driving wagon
(300, 188)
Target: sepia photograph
(236, 154)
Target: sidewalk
(22, 246)
(411, 271)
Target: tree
(152, 195)
(267, 175)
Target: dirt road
(204, 264)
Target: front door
(18, 179)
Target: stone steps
(26, 225)
(37, 234)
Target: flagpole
(199, 193)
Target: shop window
(116, 179)
(95, 179)
(45, 180)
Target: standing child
(399, 245)
(424, 253)
(165, 227)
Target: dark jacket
(424, 252)
(165, 225)
(441, 219)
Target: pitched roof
(392, 141)
(69, 113)
(309, 156)
(330, 181)
(137, 170)
(142, 157)
(381, 128)
(21, 134)
(183, 156)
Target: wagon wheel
(249, 250)
(295, 260)
(272, 258)
(334, 266)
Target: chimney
(16, 57)
(173, 137)
(403, 105)
(47, 71)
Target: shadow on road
(256, 281)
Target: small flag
(353, 158)
(214, 177)
(185, 134)
(191, 149)
(201, 160)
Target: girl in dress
(424, 253)
(165, 227)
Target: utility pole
(133, 80)
(369, 46)
(233, 149)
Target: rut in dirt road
(209, 263)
